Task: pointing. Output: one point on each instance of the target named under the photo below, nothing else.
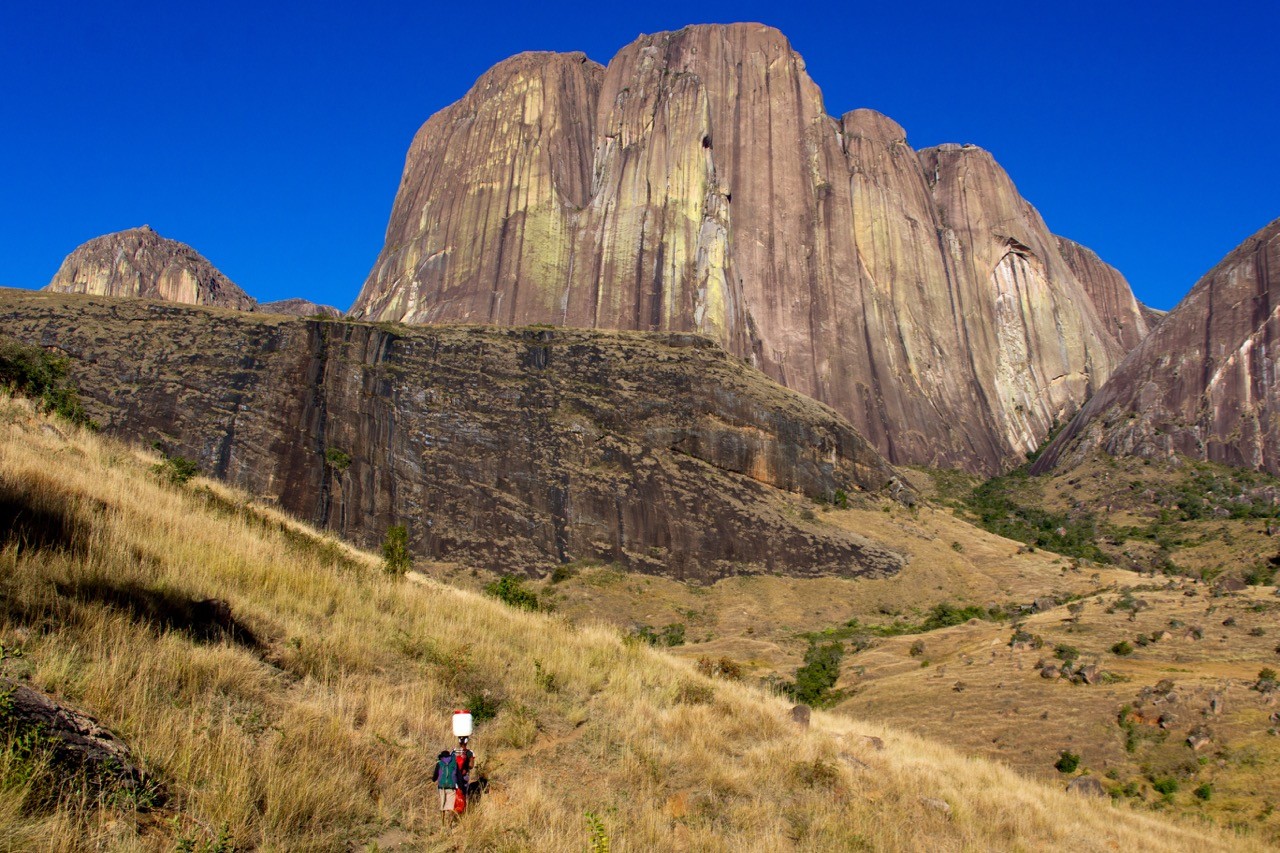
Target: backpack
(447, 772)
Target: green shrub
(1261, 575)
(1065, 653)
(562, 573)
(32, 371)
(815, 679)
(944, 615)
(1204, 791)
(337, 459)
(483, 707)
(509, 589)
(1122, 648)
(673, 634)
(175, 470)
(1167, 785)
(395, 550)
(1067, 762)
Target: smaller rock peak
(532, 61)
(148, 229)
(870, 124)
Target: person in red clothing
(465, 760)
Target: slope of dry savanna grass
(321, 734)
(1191, 665)
(758, 621)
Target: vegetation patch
(510, 589)
(31, 371)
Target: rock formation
(515, 449)
(139, 262)
(297, 307)
(1127, 319)
(697, 184)
(1203, 384)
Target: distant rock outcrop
(1204, 383)
(514, 449)
(697, 184)
(139, 262)
(297, 307)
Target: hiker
(465, 760)
(447, 779)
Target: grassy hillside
(313, 725)
(1177, 517)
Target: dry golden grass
(757, 620)
(324, 737)
(1007, 711)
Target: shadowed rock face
(1203, 383)
(516, 449)
(139, 262)
(697, 184)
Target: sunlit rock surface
(698, 184)
(139, 262)
(1203, 383)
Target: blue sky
(271, 136)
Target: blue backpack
(447, 772)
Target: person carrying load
(453, 770)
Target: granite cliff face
(697, 184)
(139, 262)
(516, 449)
(1204, 383)
(1125, 317)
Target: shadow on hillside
(207, 620)
(27, 524)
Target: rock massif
(1204, 382)
(697, 184)
(517, 449)
(139, 262)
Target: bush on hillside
(395, 550)
(814, 681)
(509, 589)
(34, 372)
(175, 470)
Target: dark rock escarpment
(516, 449)
(1204, 383)
(697, 184)
(139, 262)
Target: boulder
(1086, 786)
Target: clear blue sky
(271, 136)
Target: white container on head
(462, 724)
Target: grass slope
(318, 731)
